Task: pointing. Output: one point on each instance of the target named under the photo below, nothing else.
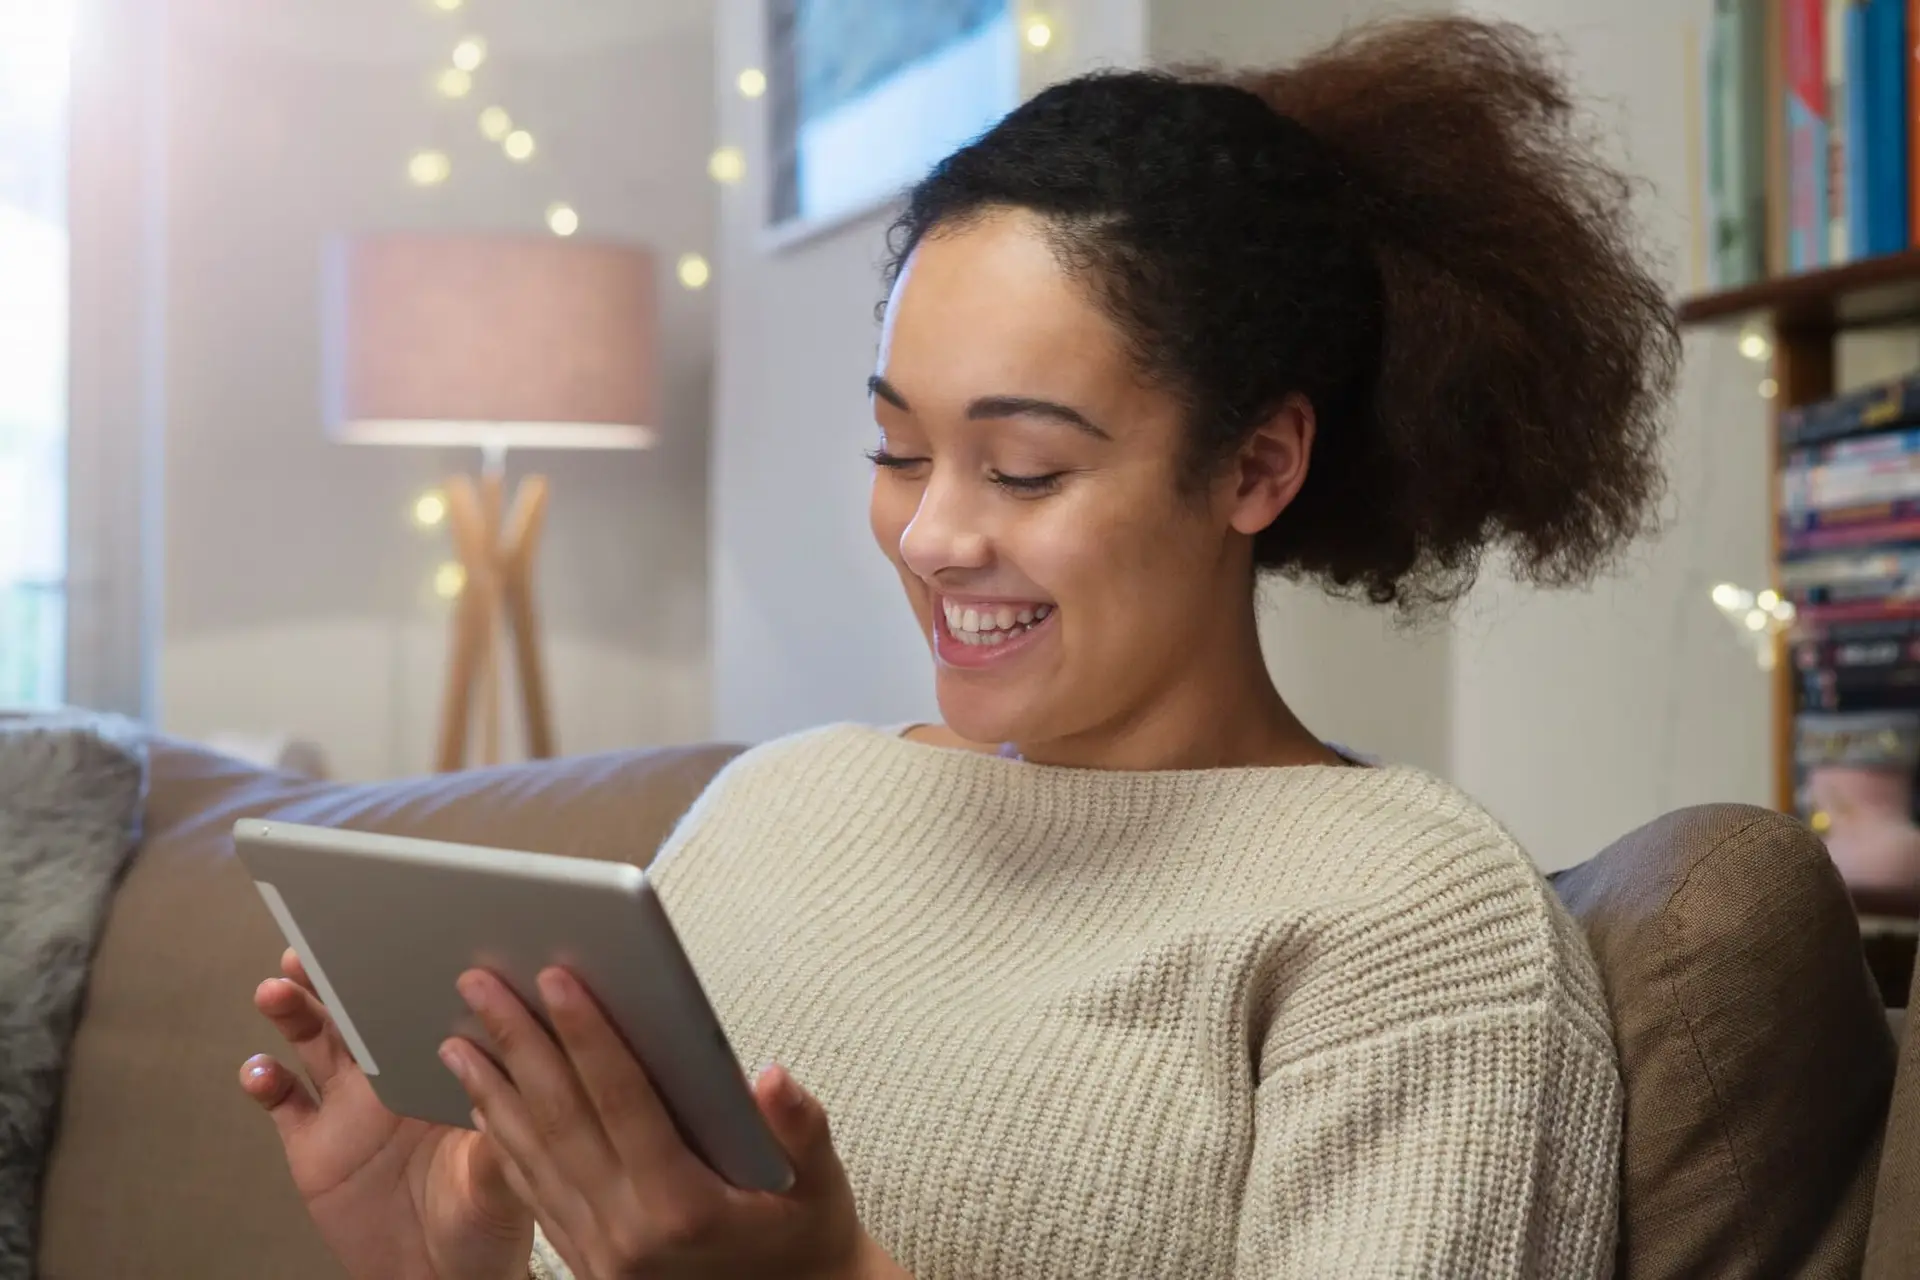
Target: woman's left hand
(619, 1194)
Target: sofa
(1767, 1134)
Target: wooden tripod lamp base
(496, 551)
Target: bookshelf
(1806, 314)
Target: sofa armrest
(1893, 1243)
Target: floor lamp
(498, 343)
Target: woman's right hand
(394, 1199)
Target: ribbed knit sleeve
(1458, 1147)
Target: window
(35, 57)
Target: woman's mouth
(979, 633)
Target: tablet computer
(385, 925)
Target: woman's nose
(945, 533)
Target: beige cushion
(1756, 1053)
(162, 1167)
(1893, 1250)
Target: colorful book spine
(1844, 176)
(1892, 642)
(1901, 527)
(1847, 569)
(1774, 135)
(1870, 689)
(1913, 123)
(1808, 230)
(1736, 143)
(1849, 484)
(1876, 126)
(1875, 408)
(1882, 446)
(1823, 617)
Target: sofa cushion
(162, 1167)
(1756, 1054)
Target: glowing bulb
(727, 164)
(447, 6)
(429, 168)
(752, 82)
(518, 145)
(1821, 821)
(453, 83)
(449, 580)
(1756, 620)
(1767, 600)
(429, 509)
(562, 220)
(1754, 345)
(1728, 596)
(1769, 388)
(470, 53)
(694, 271)
(495, 124)
(1039, 33)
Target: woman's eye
(1028, 484)
(892, 461)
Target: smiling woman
(1120, 970)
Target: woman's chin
(986, 717)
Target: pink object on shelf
(1871, 834)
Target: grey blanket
(71, 787)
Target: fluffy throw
(71, 788)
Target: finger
(501, 1115)
(542, 1078)
(293, 969)
(636, 1122)
(556, 1234)
(799, 1124)
(279, 1092)
(302, 1021)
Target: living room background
(290, 593)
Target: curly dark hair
(1410, 230)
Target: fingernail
(455, 1061)
(258, 1068)
(479, 1121)
(788, 1090)
(472, 990)
(553, 987)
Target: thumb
(799, 1124)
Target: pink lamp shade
(494, 341)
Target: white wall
(296, 592)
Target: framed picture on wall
(866, 95)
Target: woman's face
(1028, 494)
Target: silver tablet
(385, 925)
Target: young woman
(1121, 972)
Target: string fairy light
(1759, 616)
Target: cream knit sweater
(1313, 1022)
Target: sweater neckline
(1001, 760)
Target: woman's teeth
(992, 624)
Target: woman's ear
(1272, 465)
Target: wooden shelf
(1860, 295)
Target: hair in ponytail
(1409, 230)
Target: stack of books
(1809, 146)
(1850, 565)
